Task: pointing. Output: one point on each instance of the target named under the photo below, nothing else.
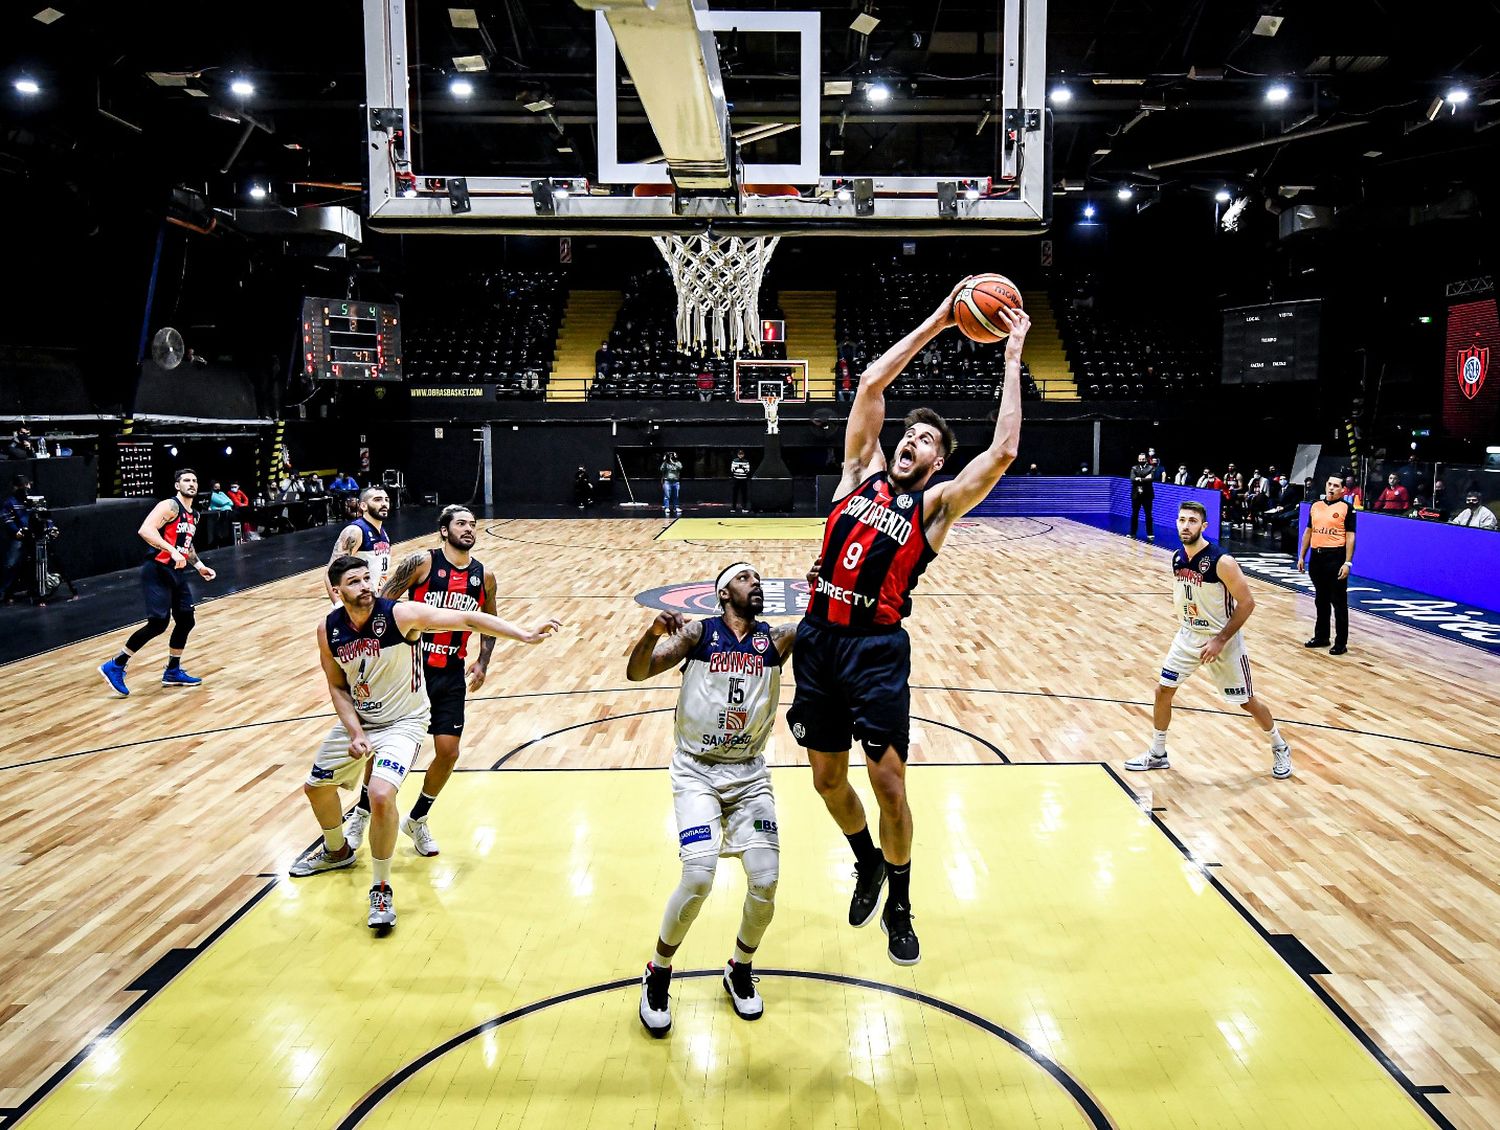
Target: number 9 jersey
(730, 691)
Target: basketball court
(1099, 951)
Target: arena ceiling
(143, 92)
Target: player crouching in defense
(721, 787)
(367, 646)
(1213, 602)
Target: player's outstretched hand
(942, 317)
(542, 631)
(668, 622)
(1019, 322)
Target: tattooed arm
(407, 575)
(481, 665)
(348, 543)
(665, 643)
(783, 636)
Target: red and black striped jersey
(449, 586)
(178, 532)
(874, 551)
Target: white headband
(728, 574)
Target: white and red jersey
(874, 552)
(1203, 602)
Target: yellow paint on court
(1048, 905)
(744, 529)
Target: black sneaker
(866, 900)
(656, 1007)
(1315, 642)
(901, 940)
(1338, 649)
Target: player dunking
(374, 678)
(721, 788)
(167, 584)
(1213, 603)
(852, 656)
(366, 537)
(446, 577)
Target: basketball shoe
(318, 860)
(901, 940)
(656, 1005)
(177, 677)
(382, 906)
(354, 828)
(114, 675)
(739, 983)
(1281, 763)
(421, 836)
(866, 899)
(1149, 760)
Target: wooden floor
(132, 827)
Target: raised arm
(412, 616)
(664, 644)
(784, 636)
(950, 501)
(410, 571)
(862, 454)
(349, 539)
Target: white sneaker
(1147, 760)
(354, 828)
(739, 983)
(317, 861)
(421, 836)
(1281, 763)
(382, 907)
(656, 1005)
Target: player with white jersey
(721, 787)
(367, 647)
(367, 538)
(1213, 602)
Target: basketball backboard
(674, 153)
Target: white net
(718, 289)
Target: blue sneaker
(114, 675)
(177, 677)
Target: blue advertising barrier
(1452, 562)
(1094, 496)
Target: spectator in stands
(218, 501)
(583, 488)
(1032, 470)
(241, 502)
(1394, 499)
(1352, 492)
(843, 376)
(20, 445)
(705, 385)
(1475, 514)
(1181, 478)
(15, 521)
(671, 484)
(312, 484)
(739, 482)
(603, 360)
(1142, 491)
(344, 482)
(1207, 480)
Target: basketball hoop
(718, 288)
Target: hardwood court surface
(132, 828)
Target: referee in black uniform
(1330, 539)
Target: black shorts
(851, 687)
(167, 590)
(446, 691)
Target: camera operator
(23, 516)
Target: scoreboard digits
(349, 340)
(1276, 342)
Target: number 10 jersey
(730, 691)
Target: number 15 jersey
(730, 690)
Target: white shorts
(395, 747)
(722, 808)
(1230, 672)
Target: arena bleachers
(1119, 354)
(489, 327)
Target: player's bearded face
(460, 535)
(356, 591)
(379, 506)
(917, 455)
(746, 596)
(1189, 528)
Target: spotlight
(1457, 96)
(1060, 95)
(242, 87)
(1088, 211)
(878, 93)
(257, 192)
(228, 449)
(1277, 94)
(172, 451)
(1125, 193)
(460, 88)
(28, 86)
(1222, 196)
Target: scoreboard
(346, 340)
(1275, 342)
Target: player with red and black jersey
(166, 582)
(852, 657)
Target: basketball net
(718, 289)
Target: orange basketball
(978, 303)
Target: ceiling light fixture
(28, 86)
(460, 88)
(242, 87)
(878, 93)
(1125, 192)
(1060, 95)
(1277, 94)
(1222, 196)
(1457, 96)
(864, 23)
